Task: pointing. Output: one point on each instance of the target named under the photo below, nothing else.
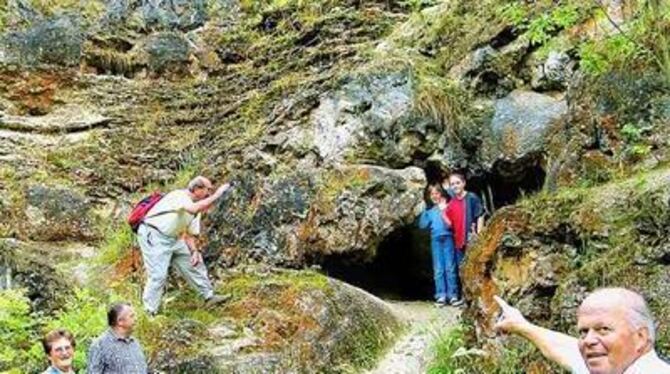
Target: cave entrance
(401, 269)
(501, 188)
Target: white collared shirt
(178, 220)
(648, 363)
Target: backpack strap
(160, 214)
(144, 222)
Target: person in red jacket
(464, 213)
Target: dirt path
(411, 353)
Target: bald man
(616, 335)
(167, 237)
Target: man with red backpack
(166, 236)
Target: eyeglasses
(62, 349)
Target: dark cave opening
(401, 269)
(498, 190)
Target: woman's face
(62, 354)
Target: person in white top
(166, 237)
(616, 335)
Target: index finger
(502, 303)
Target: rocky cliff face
(332, 116)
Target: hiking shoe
(217, 300)
(440, 302)
(455, 302)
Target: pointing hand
(223, 188)
(511, 320)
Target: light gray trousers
(158, 253)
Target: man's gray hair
(637, 310)
(197, 182)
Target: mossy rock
(290, 321)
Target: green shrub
(540, 29)
(542, 23)
(445, 348)
(17, 333)
(515, 14)
(568, 15)
(453, 356)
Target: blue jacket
(432, 219)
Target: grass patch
(441, 99)
(453, 355)
(117, 243)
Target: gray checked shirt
(111, 354)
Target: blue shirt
(432, 220)
(53, 370)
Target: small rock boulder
(520, 129)
(57, 213)
(57, 40)
(168, 52)
(284, 321)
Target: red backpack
(141, 209)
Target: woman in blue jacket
(441, 240)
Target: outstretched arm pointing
(558, 347)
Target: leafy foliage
(542, 23)
(17, 332)
(645, 41)
(540, 29)
(515, 13)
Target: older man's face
(607, 341)
(203, 191)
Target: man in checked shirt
(116, 350)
